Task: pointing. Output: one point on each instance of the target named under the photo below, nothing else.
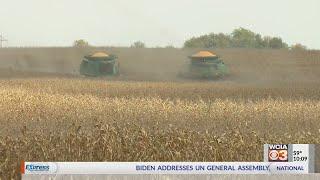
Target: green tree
(204, 41)
(266, 41)
(190, 43)
(80, 43)
(200, 42)
(243, 38)
(276, 43)
(239, 38)
(223, 41)
(259, 41)
(138, 44)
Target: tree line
(81, 43)
(239, 38)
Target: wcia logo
(33, 168)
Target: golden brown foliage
(72, 119)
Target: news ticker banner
(278, 159)
(141, 168)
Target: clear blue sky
(155, 22)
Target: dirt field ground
(148, 114)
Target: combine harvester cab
(99, 64)
(205, 64)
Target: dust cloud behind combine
(247, 66)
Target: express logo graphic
(278, 153)
(32, 167)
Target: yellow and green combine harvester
(205, 64)
(99, 64)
